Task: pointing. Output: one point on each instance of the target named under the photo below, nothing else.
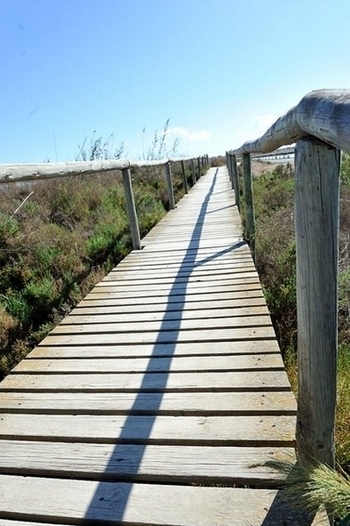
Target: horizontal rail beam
(324, 114)
(30, 172)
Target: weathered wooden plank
(241, 298)
(221, 243)
(197, 259)
(236, 247)
(127, 504)
(223, 278)
(194, 364)
(82, 317)
(169, 464)
(171, 403)
(157, 350)
(225, 334)
(196, 430)
(171, 292)
(166, 275)
(102, 326)
(151, 381)
(192, 306)
(147, 267)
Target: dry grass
(275, 249)
(65, 238)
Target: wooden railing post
(169, 183)
(317, 167)
(248, 200)
(184, 178)
(230, 158)
(229, 167)
(131, 209)
(193, 172)
(235, 183)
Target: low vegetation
(63, 240)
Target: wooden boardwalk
(160, 398)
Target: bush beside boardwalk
(61, 242)
(276, 264)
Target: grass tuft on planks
(312, 485)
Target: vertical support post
(131, 209)
(229, 167)
(193, 172)
(184, 179)
(199, 167)
(248, 200)
(235, 182)
(317, 170)
(169, 183)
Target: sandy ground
(258, 167)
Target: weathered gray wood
(169, 464)
(29, 172)
(324, 114)
(143, 504)
(180, 278)
(172, 403)
(262, 430)
(199, 167)
(183, 405)
(107, 317)
(253, 296)
(235, 180)
(131, 210)
(191, 291)
(175, 336)
(184, 178)
(118, 350)
(169, 183)
(228, 165)
(317, 224)
(151, 381)
(194, 180)
(163, 325)
(184, 363)
(248, 202)
(158, 269)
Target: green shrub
(276, 264)
(62, 241)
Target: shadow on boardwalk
(132, 431)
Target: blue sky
(220, 70)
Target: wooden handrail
(324, 114)
(320, 126)
(33, 172)
(13, 173)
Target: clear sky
(220, 70)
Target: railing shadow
(136, 430)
